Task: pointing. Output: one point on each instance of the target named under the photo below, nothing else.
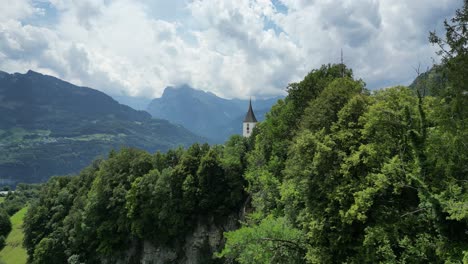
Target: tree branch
(413, 212)
(288, 243)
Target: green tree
(142, 207)
(5, 227)
(45, 215)
(49, 250)
(105, 207)
(234, 163)
(271, 241)
(2, 243)
(454, 53)
(322, 112)
(282, 123)
(313, 83)
(450, 134)
(212, 182)
(5, 223)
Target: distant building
(249, 122)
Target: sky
(233, 48)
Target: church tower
(249, 121)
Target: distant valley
(51, 127)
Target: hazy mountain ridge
(137, 103)
(49, 126)
(205, 113)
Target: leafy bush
(5, 223)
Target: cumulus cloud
(16, 10)
(382, 40)
(232, 48)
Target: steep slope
(50, 127)
(204, 113)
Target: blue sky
(235, 49)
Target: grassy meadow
(14, 252)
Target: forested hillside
(51, 127)
(335, 174)
(134, 198)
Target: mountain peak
(32, 72)
(170, 90)
(185, 90)
(204, 113)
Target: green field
(14, 252)
(2, 199)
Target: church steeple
(249, 121)
(250, 116)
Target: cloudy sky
(233, 48)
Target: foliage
(14, 201)
(362, 180)
(5, 223)
(335, 174)
(133, 196)
(267, 159)
(271, 241)
(301, 93)
(2, 242)
(454, 53)
(365, 177)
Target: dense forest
(335, 174)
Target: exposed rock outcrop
(197, 247)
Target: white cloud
(252, 59)
(16, 10)
(232, 48)
(382, 40)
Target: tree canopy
(335, 174)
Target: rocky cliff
(197, 247)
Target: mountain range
(204, 113)
(52, 127)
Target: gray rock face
(157, 255)
(197, 247)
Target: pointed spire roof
(250, 116)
